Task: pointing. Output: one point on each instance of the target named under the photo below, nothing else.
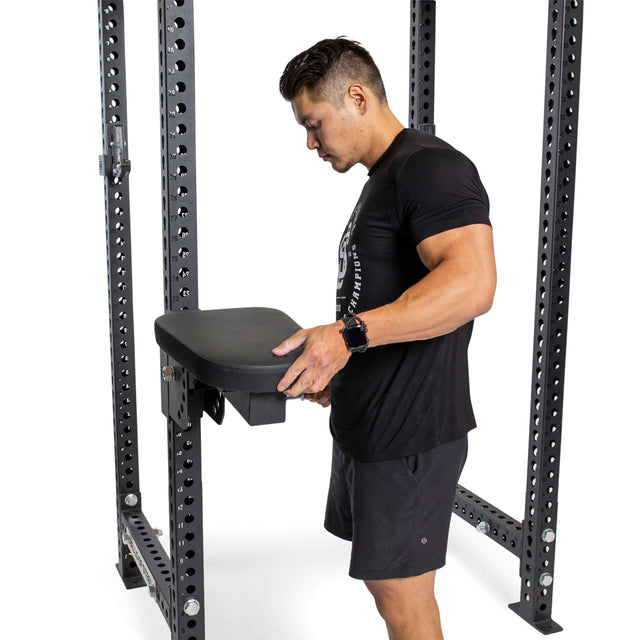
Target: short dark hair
(327, 70)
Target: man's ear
(359, 97)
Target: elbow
(485, 304)
(484, 294)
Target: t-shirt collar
(394, 143)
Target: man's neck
(384, 132)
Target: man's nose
(312, 141)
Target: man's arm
(459, 287)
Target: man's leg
(408, 606)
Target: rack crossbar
(150, 557)
(490, 520)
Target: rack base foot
(545, 627)
(131, 582)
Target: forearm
(441, 302)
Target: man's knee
(401, 601)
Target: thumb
(296, 340)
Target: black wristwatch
(355, 334)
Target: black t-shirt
(399, 399)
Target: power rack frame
(176, 581)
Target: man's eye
(314, 126)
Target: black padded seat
(229, 349)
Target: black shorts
(396, 512)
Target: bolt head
(548, 535)
(168, 374)
(546, 579)
(483, 527)
(131, 500)
(192, 607)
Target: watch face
(356, 338)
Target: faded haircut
(327, 70)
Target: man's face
(334, 133)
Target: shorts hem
(339, 534)
(390, 574)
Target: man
(416, 266)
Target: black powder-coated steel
(534, 539)
(154, 557)
(184, 409)
(185, 511)
(178, 141)
(116, 197)
(501, 527)
(552, 309)
(422, 67)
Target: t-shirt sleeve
(439, 190)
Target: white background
(270, 215)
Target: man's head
(326, 71)
(337, 94)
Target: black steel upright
(181, 401)
(422, 67)
(175, 583)
(114, 166)
(533, 538)
(552, 309)
(178, 140)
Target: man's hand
(325, 353)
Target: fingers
(306, 375)
(296, 340)
(324, 354)
(290, 344)
(290, 377)
(302, 377)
